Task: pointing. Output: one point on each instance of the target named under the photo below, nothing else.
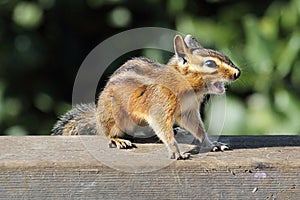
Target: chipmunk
(143, 92)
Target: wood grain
(83, 167)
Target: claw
(219, 146)
(120, 144)
(182, 156)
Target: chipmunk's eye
(211, 64)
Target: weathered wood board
(48, 167)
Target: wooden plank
(83, 167)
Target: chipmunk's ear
(191, 42)
(181, 49)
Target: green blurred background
(43, 43)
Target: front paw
(180, 156)
(219, 146)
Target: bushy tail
(80, 120)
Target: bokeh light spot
(120, 17)
(27, 15)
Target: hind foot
(120, 143)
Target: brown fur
(142, 92)
(70, 129)
(145, 93)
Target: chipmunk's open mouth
(217, 87)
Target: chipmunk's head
(214, 68)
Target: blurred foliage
(43, 43)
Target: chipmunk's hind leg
(116, 142)
(120, 143)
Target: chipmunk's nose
(237, 74)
